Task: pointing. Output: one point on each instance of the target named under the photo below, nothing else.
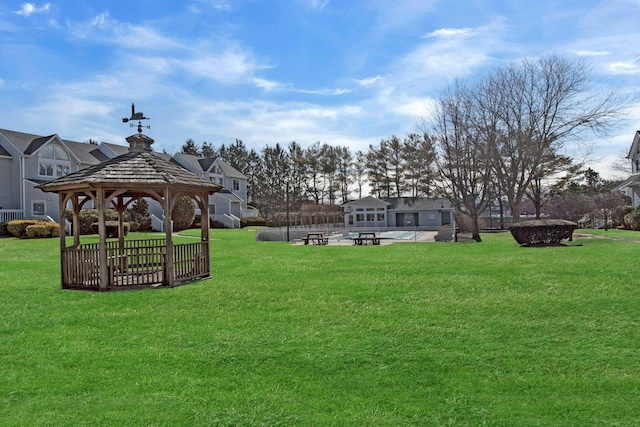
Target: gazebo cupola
(117, 183)
(139, 142)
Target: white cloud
(629, 67)
(438, 60)
(369, 81)
(315, 4)
(29, 9)
(592, 52)
(450, 32)
(400, 13)
(217, 4)
(325, 91)
(230, 66)
(224, 62)
(268, 85)
(108, 30)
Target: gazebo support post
(168, 207)
(63, 238)
(75, 220)
(102, 232)
(204, 229)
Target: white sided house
(631, 186)
(399, 212)
(28, 160)
(229, 204)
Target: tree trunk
(475, 227)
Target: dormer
(54, 157)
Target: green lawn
(460, 334)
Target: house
(28, 160)
(631, 186)
(398, 212)
(230, 204)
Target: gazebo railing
(80, 268)
(139, 263)
(190, 261)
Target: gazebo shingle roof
(140, 167)
(131, 169)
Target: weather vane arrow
(136, 116)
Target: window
(360, 217)
(380, 217)
(212, 209)
(370, 217)
(53, 161)
(236, 185)
(38, 208)
(350, 219)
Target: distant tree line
(326, 174)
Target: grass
(405, 334)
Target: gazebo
(128, 263)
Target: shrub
(632, 219)
(269, 236)
(183, 213)
(619, 214)
(3, 229)
(89, 216)
(542, 231)
(43, 229)
(18, 227)
(252, 221)
(140, 215)
(111, 228)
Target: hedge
(542, 231)
(19, 228)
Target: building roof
(19, 139)
(400, 204)
(4, 152)
(229, 170)
(28, 144)
(228, 195)
(368, 201)
(634, 145)
(87, 154)
(632, 181)
(204, 164)
(418, 204)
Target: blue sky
(340, 72)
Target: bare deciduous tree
(462, 155)
(542, 106)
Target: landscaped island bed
(404, 334)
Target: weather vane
(136, 116)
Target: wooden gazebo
(126, 263)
